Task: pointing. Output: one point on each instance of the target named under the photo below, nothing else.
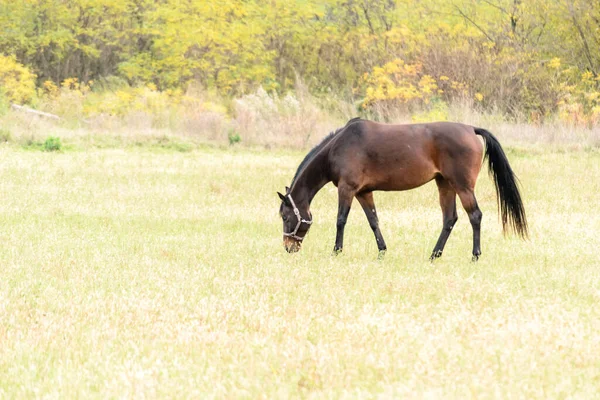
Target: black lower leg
(444, 235)
(469, 202)
(343, 211)
(475, 217)
(448, 205)
(368, 205)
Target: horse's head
(296, 222)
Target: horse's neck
(312, 178)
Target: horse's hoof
(435, 255)
(335, 252)
(475, 258)
(381, 255)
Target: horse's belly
(404, 176)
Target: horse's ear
(287, 190)
(285, 199)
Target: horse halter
(300, 221)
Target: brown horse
(364, 156)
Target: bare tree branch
(368, 18)
(495, 6)
(465, 16)
(586, 47)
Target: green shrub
(234, 137)
(52, 143)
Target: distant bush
(233, 137)
(16, 80)
(398, 87)
(52, 143)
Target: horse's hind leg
(366, 201)
(467, 198)
(448, 204)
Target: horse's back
(376, 156)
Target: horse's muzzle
(291, 245)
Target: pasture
(140, 273)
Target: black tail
(509, 198)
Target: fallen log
(32, 111)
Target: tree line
(529, 57)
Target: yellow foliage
(73, 86)
(400, 82)
(428, 86)
(50, 89)
(392, 53)
(587, 76)
(554, 63)
(17, 82)
(580, 102)
(398, 85)
(70, 83)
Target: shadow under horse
(364, 156)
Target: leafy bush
(233, 137)
(580, 103)
(52, 143)
(16, 80)
(398, 87)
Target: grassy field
(145, 273)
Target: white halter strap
(300, 221)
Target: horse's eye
(284, 217)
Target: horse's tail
(509, 199)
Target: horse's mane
(318, 147)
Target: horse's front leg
(368, 204)
(345, 197)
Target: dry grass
(290, 121)
(135, 273)
(292, 130)
(295, 120)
